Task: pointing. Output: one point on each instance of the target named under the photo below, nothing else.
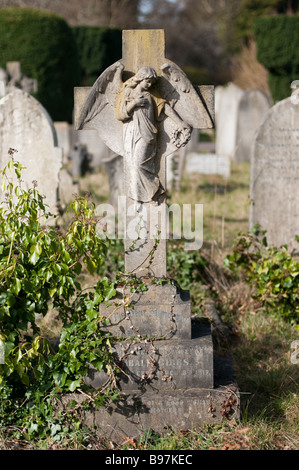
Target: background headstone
(94, 145)
(175, 163)
(27, 127)
(252, 108)
(274, 180)
(208, 164)
(18, 80)
(226, 114)
(114, 168)
(63, 131)
(67, 188)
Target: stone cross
(13, 77)
(144, 108)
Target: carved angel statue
(138, 119)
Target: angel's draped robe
(140, 143)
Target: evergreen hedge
(98, 47)
(277, 40)
(44, 44)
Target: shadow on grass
(265, 382)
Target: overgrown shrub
(44, 44)
(39, 269)
(277, 49)
(98, 47)
(273, 273)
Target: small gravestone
(68, 189)
(175, 163)
(274, 179)
(15, 78)
(144, 107)
(114, 167)
(27, 127)
(226, 109)
(80, 160)
(63, 131)
(253, 106)
(94, 146)
(208, 164)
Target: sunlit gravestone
(144, 108)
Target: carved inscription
(275, 175)
(283, 156)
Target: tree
(252, 9)
(197, 32)
(112, 13)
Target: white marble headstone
(27, 127)
(274, 185)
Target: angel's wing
(190, 104)
(98, 111)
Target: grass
(260, 343)
(225, 203)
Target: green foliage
(39, 267)
(277, 39)
(44, 44)
(98, 47)
(251, 10)
(197, 76)
(272, 271)
(186, 267)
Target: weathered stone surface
(163, 365)
(208, 164)
(180, 410)
(253, 106)
(67, 188)
(275, 175)
(114, 167)
(161, 311)
(26, 126)
(63, 131)
(226, 108)
(144, 107)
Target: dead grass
(247, 72)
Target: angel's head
(146, 75)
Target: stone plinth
(163, 364)
(163, 311)
(169, 374)
(179, 409)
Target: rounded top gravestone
(274, 187)
(252, 108)
(27, 127)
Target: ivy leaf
(73, 385)
(17, 286)
(59, 378)
(111, 293)
(55, 428)
(35, 251)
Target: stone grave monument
(274, 190)
(114, 167)
(226, 109)
(208, 164)
(253, 106)
(27, 127)
(13, 77)
(144, 108)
